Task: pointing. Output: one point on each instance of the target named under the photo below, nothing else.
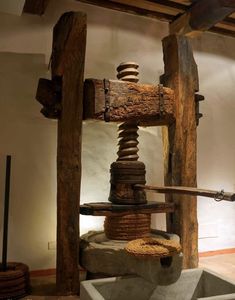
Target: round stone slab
(100, 255)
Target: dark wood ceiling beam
(202, 16)
(130, 9)
(229, 21)
(222, 31)
(35, 7)
(181, 7)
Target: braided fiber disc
(153, 247)
(14, 282)
(127, 227)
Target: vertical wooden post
(68, 57)
(180, 141)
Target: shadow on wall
(214, 44)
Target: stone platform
(99, 255)
(192, 284)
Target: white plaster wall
(12, 6)
(31, 139)
(215, 56)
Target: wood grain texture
(222, 31)
(109, 209)
(180, 141)
(129, 8)
(68, 57)
(202, 16)
(35, 7)
(49, 95)
(179, 7)
(151, 5)
(128, 101)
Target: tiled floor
(221, 264)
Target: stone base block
(108, 257)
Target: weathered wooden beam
(35, 7)
(49, 91)
(222, 31)
(109, 209)
(45, 94)
(168, 3)
(69, 42)
(49, 94)
(183, 190)
(179, 141)
(132, 9)
(202, 16)
(145, 103)
(148, 104)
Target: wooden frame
(179, 137)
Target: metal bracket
(106, 101)
(219, 196)
(161, 99)
(199, 115)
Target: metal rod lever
(216, 195)
(6, 213)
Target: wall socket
(52, 245)
(208, 230)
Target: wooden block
(109, 209)
(45, 94)
(145, 103)
(49, 91)
(49, 95)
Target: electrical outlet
(52, 245)
(208, 230)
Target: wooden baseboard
(47, 272)
(217, 252)
(39, 273)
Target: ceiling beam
(179, 6)
(202, 16)
(130, 9)
(35, 7)
(222, 31)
